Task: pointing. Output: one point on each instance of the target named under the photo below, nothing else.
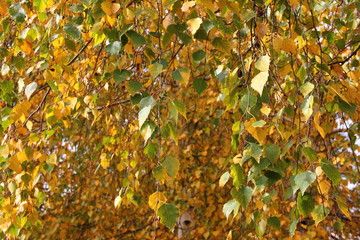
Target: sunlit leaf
(194, 25)
(30, 89)
(259, 81)
(231, 206)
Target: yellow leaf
(207, 4)
(156, 200)
(27, 48)
(110, 8)
(294, 3)
(259, 133)
(58, 42)
(306, 88)
(259, 81)
(14, 164)
(324, 187)
(317, 125)
(104, 161)
(52, 159)
(288, 45)
(194, 25)
(185, 7)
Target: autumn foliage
(169, 119)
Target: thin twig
(78, 54)
(346, 59)
(38, 108)
(97, 59)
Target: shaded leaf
(168, 214)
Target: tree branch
(346, 59)
(78, 54)
(38, 108)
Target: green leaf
(305, 204)
(133, 86)
(40, 5)
(304, 180)
(168, 214)
(237, 173)
(293, 225)
(113, 48)
(72, 30)
(346, 107)
(247, 101)
(221, 44)
(252, 150)
(137, 39)
(179, 107)
(231, 206)
(243, 195)
(171, 165)
(159, 173)
(14, 230)
(17, 12)
(155, 69)
(76, 8)
(272, 152)
(146, 104)
(319, 213)
(173, 132)
(310, 153)
(224, 178)
(306, 88)
(150, 150)
(200, 85)
(331, 172)
(30, 89)
(121, 75)
(306, 107)
(274, 222)
(198, 55)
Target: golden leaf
(156, 200)
(110, 8)
(261, 30)
(259, 133)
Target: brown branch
(38, 108)
(97, 59)
(78, 54)
(346, 59)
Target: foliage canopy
(118, 118)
